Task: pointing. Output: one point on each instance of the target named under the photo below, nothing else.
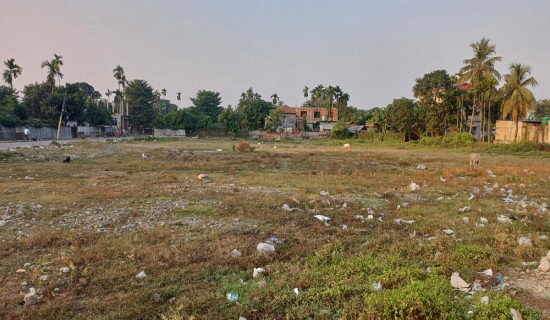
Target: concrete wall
(526, 131)
(169, 133)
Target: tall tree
(118, 73)
(517, 98)
(12, 72)
(54, 70)
(179, 98)
(140, 98)
(253, 110)
(306, 91)
(481, 66)
(402, 116)
(275, 99)
(208, 103)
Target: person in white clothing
(27, 134)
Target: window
(317, 114)
(303, 114)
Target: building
(295, 116)
(529, 130)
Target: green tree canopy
(12, 71)
(402, 115)
(230, 121)
(207, 103)
(8, 105)
(542, 109)
(253, 110)
(140, 99)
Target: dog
(474, 160)
(67, 160)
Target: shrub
(452, 140)
(244, 147)
(340, 131)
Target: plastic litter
(376, 286)
(399, 220)
(465, 219)
(465, 209)
(448, 231)
(235, 253)
(296, 291)
(359, 217)
(487, 273)
(523, 241)
(421, 167)
(322, 217)
(275, 239)
(472, 196)
(483, 220)
(257, 272)
(543, 237)
(442, 179)
(141, 275)
(287, 208)
(503, 219)
(296, 200)
(324, 193)
(515, 314)
(485, 299)
(413, 186)
(232, 297)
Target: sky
(374, 50)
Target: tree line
(449, 103)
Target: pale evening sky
(373, 49)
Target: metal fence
(65, 133)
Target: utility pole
(61, 115)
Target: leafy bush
(523, 147)
(452, 140)
(9, 120)
(385, 137)
(340, 131)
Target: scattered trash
(543, 237)
(265, 248)
(359, 217)
(322, 217)
(257, 272)
(487, 273)
(421, 167)
(370, 217)
(523, 241)
(440, 198)
(275, 239)
(485, 299)
(465, 219)
(515, 314)
(484, 220)
(219, 150)
(345, 205)
(232, 297)
(141, 275)
(491, 174)
(465, 209)
(414, 187)
(503, 219)
(296, 200)
(413, 234)
(458, 283)
(65, 269)
(472, 196)
(476, 287)
(448, 231)
(31, 297)
(475, 190)
(242, 318)
(442, 179)
(324, 193)
(376, 286)
(326, 202)
(399, 220)
(235, 253)
(201, 176)
(296, 291)
(344, 227)
(287, 208)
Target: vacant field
(78, 233)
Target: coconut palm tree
(118, 73)
(306, 91)
(275, 98)
(12, 72)
(54, 70)
(179, 98)
(480, 67)
(517, 99)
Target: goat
(143, 156)
(474, 160)
(346, 146)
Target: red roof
(287, 109)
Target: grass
(108, 215)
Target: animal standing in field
(474, 160)
(67, 160)
(143, 157)
(346, 146)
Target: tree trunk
(473, 113)
(489, 123)
(481, 116)
(516, 122)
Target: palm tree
(118, 73)
(275, 98)
(179, 99)
(306, 91)
(12, 72)
(480, 67)
(54, 70)
(517, 99)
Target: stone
(413, 186)
(21, 270)
(544, 265)
(24, 284)
(523, 241)
(201, 176)
(257, 272)
(32, 297)
(65, 269)
(548, 255)
(265, 248)
(44, 277)
(236, 254)
(421, 167)
(515, 314)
